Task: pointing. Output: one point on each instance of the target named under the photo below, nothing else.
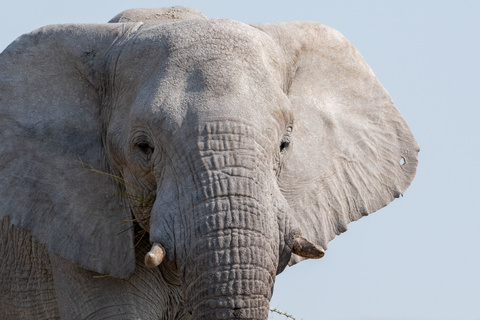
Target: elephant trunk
(234, 254)
(226, 231)
(238, 290)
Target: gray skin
(254, 146)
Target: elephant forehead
(223, 35)
(219, 39)
(186, 45)
(194, 71)
(188, 104)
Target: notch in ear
(353, 152)
(50, 105)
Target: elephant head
(254, 144)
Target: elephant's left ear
(352, 152)
(50, 106)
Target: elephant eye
(284, 145)
(145, 147)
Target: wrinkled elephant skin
(168, 166)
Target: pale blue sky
(419, 257)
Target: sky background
(418, 258)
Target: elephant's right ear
(50, 106)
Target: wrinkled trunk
(234, 254)
(230, 290)
(234, 248)
(228, 244)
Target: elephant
(168, 166)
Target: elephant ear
(50, 103)
(352, 152)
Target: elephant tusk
(304, 248)
(155, 256)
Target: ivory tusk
(304, 248)
(155, 256)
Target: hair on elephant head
(238, 149)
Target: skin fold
(168, 166)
